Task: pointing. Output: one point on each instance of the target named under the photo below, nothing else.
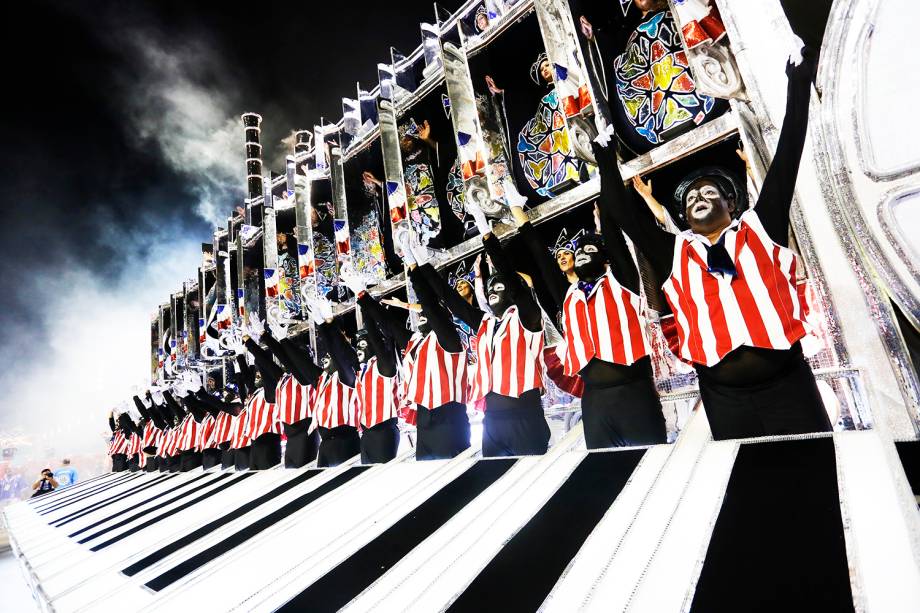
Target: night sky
(122, 146)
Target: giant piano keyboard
(819, 523)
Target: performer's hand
(352, 280)
(644, 188)
(405, 245)
(493, 88)
(586, 28)
(424, 131)
(795, 52)
(278, 330)
(479, 216)
(254, 329)
(320, 309)
(368, 177)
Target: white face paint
(493, 295)
(699, 202)
(583, 255)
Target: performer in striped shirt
(224, 410)
(296, 395)
(118, 446)
(264, 420)
(377, 388)
(434, 367)
(731, 284)
(240, 442)
(335, 396)
(153, 426)
(509, 354)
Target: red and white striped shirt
(206, 431)
(239, 437)
(134, 445)
(118, 444)
(377, 396)
(295, 401)
(188, 435)
(509, 357)
(170, 442)
(607, 324)
(433, 376)
(335, 403)
(263, 415)
(223, 429)
(716, 313)
(153, 436)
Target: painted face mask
(423, 326)
(363, 347)
(590, 257)
(498, 295)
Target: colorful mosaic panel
(653, 82)
(546, 155)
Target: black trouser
(226, 455)
(133, 462)
(625, 413)
(514, 426)
(210, 458)
(153, 464)
(175, 463)
(379, 443)
(788, 403)
(119, 462)
(265, 451)
(189, 460)
(162, 464)
(302, 445)
(241, 458)
(338, 444)
(443, 432)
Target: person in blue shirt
(66, 475)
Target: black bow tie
(718, 260)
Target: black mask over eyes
(423, 326)
(498, 295)
(590, 257)
(363, 347)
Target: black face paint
(423, 326)
(498, 296)
(590, 257)
(363, 347)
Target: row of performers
(730, 281)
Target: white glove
(193, 381)
(352, 280)
(482, 224)
(603, 137)
(320, 309)
(795, 54)
(405, 244)
(255, 329)
(278, 330)
(419, 252)
(157, 395)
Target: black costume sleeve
(174, 406)
(112, 423)
(779, 185)
(385, 351)
(463, 310)
(438, 317)
(621, 262)
(556, 283)
(141, 408)
(528, 309)
(294, 357)
(632, 216)
(245, 378)
(340, 350)
(128, 426)
(162, 417)
(271, 372)
(387, 324)
(197, 408)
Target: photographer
(46, 484)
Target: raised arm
(621, 263)
(553, 278)
(385, 351)
(271, 372)
(295, 358)
(463, 310)
(779, 185)
(438, 317)
(528, 309)
(340, 350)
(631, 215)
(375, 312)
